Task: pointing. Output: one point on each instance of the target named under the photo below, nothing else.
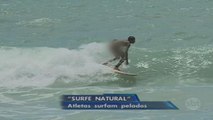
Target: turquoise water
(52, 47)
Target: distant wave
(39, 22)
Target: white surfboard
(122, 72)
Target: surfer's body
(119, 48)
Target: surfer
(119, 48)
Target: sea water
(49, 48)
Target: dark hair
(131, 39)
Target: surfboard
(121, 72)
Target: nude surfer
(119, 48)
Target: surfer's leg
(123, 58)
(120, 62)
(111, 60)
(116, 53)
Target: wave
(43, 66)
(24, 67)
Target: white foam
(20, 67)
(142, 64)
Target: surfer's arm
(126, 55)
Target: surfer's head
(131, 39)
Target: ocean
(49, 48)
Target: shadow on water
(121, 81)
(126, 81)
(113, 81)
